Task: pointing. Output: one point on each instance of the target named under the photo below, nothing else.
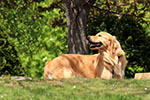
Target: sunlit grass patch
(75, 89)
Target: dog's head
(107, 42)
(100, 41)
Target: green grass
(75, 89)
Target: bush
(9, 60)
(35, 38)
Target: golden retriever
(109, 63)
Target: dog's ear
(120, 54)
(112, 45)
(115, 48)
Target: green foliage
(35, 39)
(9, 60)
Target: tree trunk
(77, 12)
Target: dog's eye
(119, 56)
(99, 35)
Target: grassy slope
(75, 89)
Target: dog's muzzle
(93, 43)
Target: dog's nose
(88, 38)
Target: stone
(142, 76)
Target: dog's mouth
(95, 44)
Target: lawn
(74, 89)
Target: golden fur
(109, 63)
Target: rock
(21, 78)
(142, 76)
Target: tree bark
(77, 12)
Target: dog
(109, 63)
